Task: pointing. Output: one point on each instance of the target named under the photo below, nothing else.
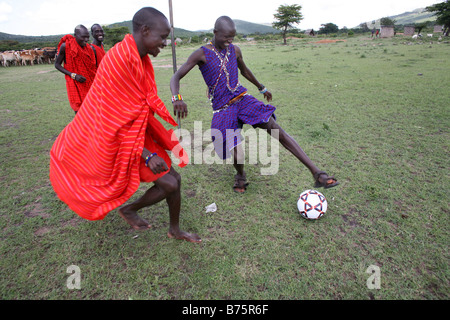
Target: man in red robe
(79, 65)
(115, 141)
(97, 44)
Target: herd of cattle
(28, 57)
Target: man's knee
(177, 176)
(269, 125)
(273, 128)
(170, 182)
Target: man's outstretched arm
(196, 58)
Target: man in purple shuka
(219, 62)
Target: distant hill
(181, 33)
(415, 16)
(242, 27)
(28, 39)
(412, 17)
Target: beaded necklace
(223, 66)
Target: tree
(286, 17)
(388, 22)
(419, 26)
(442, 12)
(328, 28)
(115, 34)
(364, 28)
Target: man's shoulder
(237, 52)
(202, 49)
(198, 54)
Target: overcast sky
(50, 17)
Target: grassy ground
(372, 112)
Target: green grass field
(374, 113)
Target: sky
(54, 17)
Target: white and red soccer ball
(312, 205)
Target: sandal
(330, 182)
(240, 183)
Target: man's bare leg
(129, 212)
(173, 200)
(167, 187)
(291, 145)
(238, 163)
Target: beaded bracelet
(147, 158)
(264, 90)
(177, 97)
(73, 76)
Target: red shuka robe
(96, 162)
(99, 53)
(79, 60)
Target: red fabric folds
(99, 52)
(79, 60)
(96, 162)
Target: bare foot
(181, 235)
(134, 220)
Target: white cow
(9, 57)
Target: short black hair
(79, 27)
(95, 25)
(224, 21)
(146, 16)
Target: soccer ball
(312, 204)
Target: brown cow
(26, 55)
(39, 55)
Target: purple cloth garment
(220, 73)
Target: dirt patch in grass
(36, 210)
(42, 231)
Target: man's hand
(180, 109)
(268, 96)
(157, 165)
(80, 78)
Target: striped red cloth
(96, 162)
(79, 60)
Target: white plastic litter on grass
(211, 208)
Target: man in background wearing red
(77, 61)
